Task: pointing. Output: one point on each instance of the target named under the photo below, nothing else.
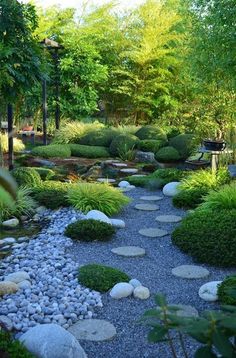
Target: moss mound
(151, 132)
(86, 151)
(90, 230)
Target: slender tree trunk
(10, 135)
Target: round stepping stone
(119, 165)
(93, 330)
(168, 218)
(209, 291)
(129, 251)
(151, 198)
(106, 180)
(146, 207)
(129, 170)
(153, 232)
(190, 271)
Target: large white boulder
(52, 341)
(208, 291)
(171, 189)
(124, 184)
(98, 215)
(119, 224)
(141, 292)
(121, 290)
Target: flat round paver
(129, 251)
(106, 180)
(168, 218)
(93, 330)
(153, 232)
(119, 165)
(151, 198)
(129, 170)
(147, 207)
(190, 271)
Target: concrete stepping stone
(153, 232)
(190, 271)
(106, 180)
(129, 251)
(209, 291)
(151, 198)
(168, 218)
(129, 170)
(147, 207)
(97, 330)
(119, 165)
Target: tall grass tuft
(223, 198)
(71, 132)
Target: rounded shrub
(189, 199)
(208, 236)
(102, 137)
(26, 176)
(167, 155)
(52, 151)
(96, 196)
(86, 151)
(101, 278)
(123, 142)
(45, 173)
(52, 194)
(90, 230)
(150, 145)
(151, 132)
(184, 144)
(227, 291)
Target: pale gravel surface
(153, 270)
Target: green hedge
(26, 176)
(225, 290)
(52, 194)
(123, 142)
(90, 230)
(86, 151)
(151, 132)
(167, 155)
(208, 236)
(101, 278)
(52, 151)
(102, 137)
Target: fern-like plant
(93, 196)
(223, 198)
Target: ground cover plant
(96, 196)
(25, 176)
(100, 277)
(52, 194)
(227, 291)
(90, 230)
(209, 236)
(86, 151)
(52, 151)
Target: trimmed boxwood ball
(150, 145)
(151, 132)
(184, 144)
(26, 176)
(227, 291)
(52, 151)
(52, 194)
(167, 155)
(90, 230)
(208, 236)
(189, 199)
(100, 278)
(123, 142)
(86, 151)
(102, 137)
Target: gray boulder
(145, 157)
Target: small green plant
(150, 145)
(127, 153)
(90, 230)
(52, 151)
(189, 199)
(215, 330)
(167, 155)
(26, 176)
(169, 174)
(122, 141)
(223, 198)
(208, 236)
(10, 348)
(100, 278)
(184, 144)
(86, 151)
(45, 173)
(52, 194)
(227, 290)
(151, 132)
(95, 196)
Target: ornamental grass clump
(227, 291)
(26, 176)
(18, 145)
(100, 277)
(96, 196)
(72, 132)
(90, 230)
(12, 348)
(223, 198)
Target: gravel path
(154, 272)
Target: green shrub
(100, 278)
(150, 145)
(205, 179)
(138, 181)
(52, 151)
(102, 137)
(45, 173)
(23, 205)
(169, 174)
(11, 348)
(96, 196)
(223, 198)
(208, 236)
(71, 132)
(225, 291)
(172, 132)
(51, 194)
(90, 230)
(121, 142)
(167, 155)
(189, 199)
(18, 145)
(157, 179)
(151, 132)
(86, 151)
(184, 144)
(26, 176)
